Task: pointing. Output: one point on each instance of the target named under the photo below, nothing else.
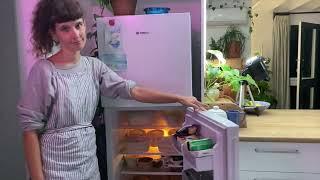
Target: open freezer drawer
(223, 158)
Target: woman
(59, 102)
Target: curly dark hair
(45, 15)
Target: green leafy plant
(93, 35)
(225, 75)
(233, 35)
(265, 93)
(213, 45)
(105, 4)
(251, 17)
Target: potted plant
(213, 46)
(232, 42)
(265, 93)
(120, 7)
(225, 76)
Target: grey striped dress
(60, 105)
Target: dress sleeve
(112, 85)
(36, 99)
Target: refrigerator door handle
(288, 151)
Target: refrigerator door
(153, 50)
(223, 158)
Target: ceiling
(290, 5)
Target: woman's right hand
(191, 101)
(32, 155)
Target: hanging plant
(251, 17)
(213, 45)
(232, 42)
(237, 4)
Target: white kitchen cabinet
(252, 175)
(279, 161)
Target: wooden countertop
(300, 126)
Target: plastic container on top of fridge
(216, 110)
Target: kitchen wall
(11, 156)
(261, 37)
(24, 18)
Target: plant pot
(234, 50)
(123, 7)
(213, 93)
(226, 91)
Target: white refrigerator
(155, 51)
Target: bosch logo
(137, 33)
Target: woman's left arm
(147, 95)
(112, 85)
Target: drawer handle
(289, 151)
(268, 179)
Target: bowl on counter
(260, 107)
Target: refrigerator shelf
(132, 105)
(151, 126)
(153, 119)
(150, 154)
(152, 171)
(164, 147)
(163, 152)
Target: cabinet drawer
(248, 175)
(282, 157)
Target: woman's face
(71, 35)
